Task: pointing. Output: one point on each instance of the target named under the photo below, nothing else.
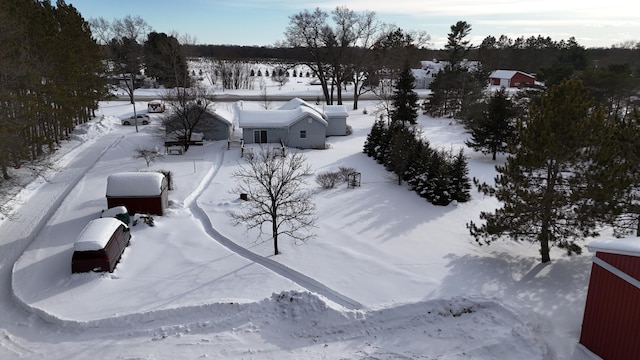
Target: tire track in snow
(278, 268)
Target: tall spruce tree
(404, 101)
(494, 127)
(541, 184)
(459, 85)
(460, 184)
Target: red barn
(140, 192)
(511, 78)
(611, 324)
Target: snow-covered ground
(388, 275)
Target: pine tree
(458, 86)
(437, 186)
(374, 138)
(401, 149)
(614, 178)
(541, 184)
(404, 101)
(493, 128)
(460, 184)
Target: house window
(260, 136)
(303, 134)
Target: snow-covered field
(388, 275)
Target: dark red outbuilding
(611, 324)
(140, 192)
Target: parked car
(143, 119)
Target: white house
(302, 127)
(295, 124)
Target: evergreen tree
(613, 178)
(417, 173)
(493, 128)
(541, 184)
(437, 186)
(404, 101)
(457, 87)
(401, 150)
(460, 184)
(458, 46)
(165, 60)
(374, 138)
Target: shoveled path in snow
(280, 269)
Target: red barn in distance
(511, 78)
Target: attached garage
(611, 323)
(140, 192)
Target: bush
(344, 172)
(328, 179)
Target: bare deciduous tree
(124, 38)
(274, 188)
(280, 75)
(264, 96)
(149, 155)
(189, 107)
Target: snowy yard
(388, 275)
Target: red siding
(611, 325)
(626, 263)
(141, 205)
(520, 79)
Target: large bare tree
(274, 188)
(305, 30)
(188, 108)
(124, 38)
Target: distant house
(302, 127)
(428, 69)
(423, 78)
(212, 124)
(511, 78)
(426, 72)
(139, 192)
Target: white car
(143, 119)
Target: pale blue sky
(263, 22)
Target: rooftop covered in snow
(626, 246)
(135, 184)
(96, 234)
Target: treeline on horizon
(516, 57)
